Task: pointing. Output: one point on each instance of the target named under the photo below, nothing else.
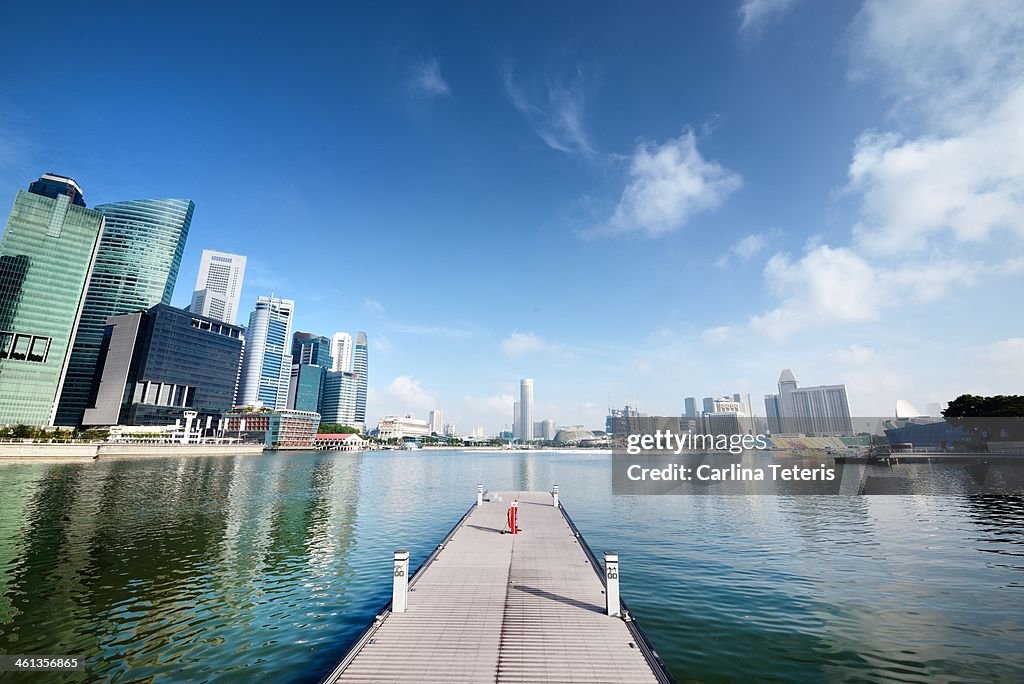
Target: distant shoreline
(52, 452)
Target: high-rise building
(339, 401)
(341, 349)
(305, 389)
(436, 421)
(219, 286)
(708, 405)
(691, 407)
(46, 256)
(517, 421)
(155, 365)
(267, 363)
(136, 267)
(823, 409)
(771, 408)
(311, 349)
(526, 408)
(361, 367)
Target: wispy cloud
(754, 14)
(432, 330)
(746, 248)
(669, 184)
(557, 116)
(426, 81)
(372, 305)
(519, 344)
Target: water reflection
(220, 569)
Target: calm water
(233, 569)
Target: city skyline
(805, 197)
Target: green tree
(23, 431)
(988, 418)
(337, 429)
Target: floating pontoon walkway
(489, 606)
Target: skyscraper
(340, 399)
(341, 349)
(517, 421)
(46, 256)
(311, 349)
(219, 286)
(691, 407)
(436, 421)
(526, 408)
(136, 268)
(156, 364)
(266, 363)
(361, 367)
(823, 409)
(708, 405)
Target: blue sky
(624, 204)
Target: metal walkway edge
(493, 607)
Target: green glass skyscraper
(46, 255)
(136, 267)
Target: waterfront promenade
(496, 607)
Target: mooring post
(554, 495)
(611, 585)
(400, 593)
(479, 495)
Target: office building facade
(339, 400)
(361, 367)
(136, 267)
(46, 257)
(690, 407)
(526, 408)
(341, 350)
(311, 349)
(154, 365)
(283, 428)
(267, 362)
(306, 386)
(818, 410)
(436, 420)
(219, 286)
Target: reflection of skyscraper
(136, 267)
(219, 285)
(341, 350)
(361, 367)
(46, 255)
(526, 408)
(266, 364)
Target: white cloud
(1006, 358)
(669, 184)
(426, 80)
(718, 335)
(955, 71)
(518, 344)
(409, 394)
(755, 13)
(746, 248)
(371, 304)
(559, 120)
(838, 285)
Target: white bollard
(554, 495)
(400, 593)
(479, 495)
(611, 585)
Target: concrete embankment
(40, 451)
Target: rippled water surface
(242, 568)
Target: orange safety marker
(513, 515)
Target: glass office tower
(136, 267)
(46, 255)
(361, 367)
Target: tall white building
(526, 409)
(823, 409)
(436, 421)
(219, 286)
(267, 361)
(341, 350)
